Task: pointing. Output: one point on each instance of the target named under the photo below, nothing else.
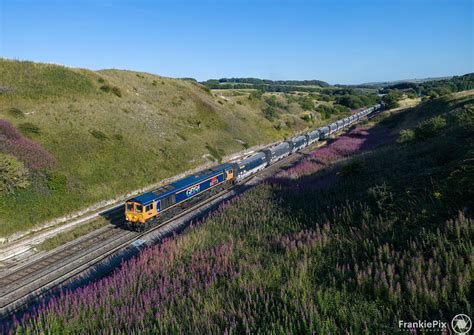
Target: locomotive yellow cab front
(134, 212)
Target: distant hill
(390, 83)
(265, 85)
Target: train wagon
(277, 152)
(332, 127)
(150, 204)
(250, 165)
(340, 124)
(296, 143)
(324, 132)
(312, 136)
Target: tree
(391, 99)
(13, 174)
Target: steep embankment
(79, 136)
(389, 238)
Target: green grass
(63, 238)
(139, 130)
(389, 239)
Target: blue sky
(339, 41)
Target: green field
(114, 131)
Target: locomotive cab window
(129, 206)
(138, 208)
(149, 208)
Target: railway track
(28, 282)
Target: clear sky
(339, 41)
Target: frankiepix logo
(435, 325)
(460, 324)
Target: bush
(270, 113)
(116, 91)
(8, 131)
(118, 137)
(111, 89)
(308, 117)
(306, 103)
(32, 154)
(29, 128)
(13, 174)
(391, 99)
(406, 135)
(257, 94)
(57, 182)
(16, 113)
(430, 127)
(351, 101)
(271, 101)
(105, 88)
(465, 119)
(99, 135)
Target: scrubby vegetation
(352, 247)
(265, 85)
(13, 174)
(435, 88)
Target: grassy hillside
(85, 136)
(375, 229)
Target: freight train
(144, 209)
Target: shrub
(111, 89)
(257, 94)
(391, 99)
(29, 128)
(99, 135)
(8, 131)
(106, 88)
(115, 90)
(13, 174)
(270, 113)
(32, 154)
(465, 119)
(307, 117)
(57, 182)
(271, 101)
(433, 94)
(430, 127)
(118, 137)
(16, 113)
(406, 135)
(350, 101)
(306, 103)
